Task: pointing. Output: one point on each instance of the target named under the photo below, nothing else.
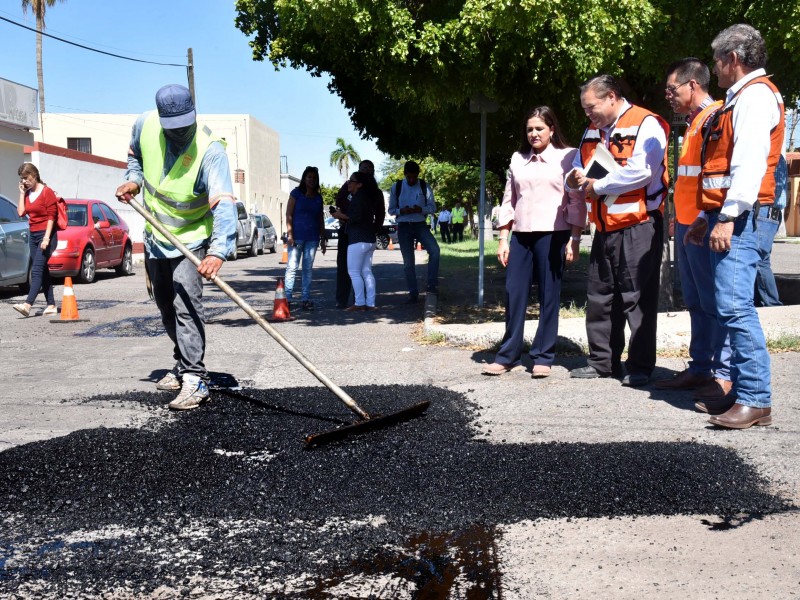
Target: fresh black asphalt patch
(224, 501)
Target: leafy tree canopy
(450, 183)
(406, 69)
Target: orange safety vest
(718, 149)
(689, 168)
(629, 208)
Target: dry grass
(459, 274)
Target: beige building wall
(253, 151)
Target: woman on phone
(364, 215)
(39, 202)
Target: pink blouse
(535, 199)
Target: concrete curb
(674, 329)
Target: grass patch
(785, 343)
(459, 272)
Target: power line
(149, 62)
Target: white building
(18, 116)
(252, 148)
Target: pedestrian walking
(39, 203)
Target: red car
(96, 238)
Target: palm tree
(39, 8)
(342, 155)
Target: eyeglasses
(672, 89)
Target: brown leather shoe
(685, 380)
(716, 407)
(741, 417)
(714, 390)
(498, 369)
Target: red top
(42, 210)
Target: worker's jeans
(178, 292)
(305, 251)
(734, 282)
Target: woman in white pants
(361, 219)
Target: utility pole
(190, 74)
(482, 104)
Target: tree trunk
(39, 71)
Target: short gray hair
(601, 86)
(743, 40)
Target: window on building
(80, 144)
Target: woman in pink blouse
(546, 222)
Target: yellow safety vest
(172, 199)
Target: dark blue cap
(175, 106)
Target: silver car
(267, 237)
(15, 254)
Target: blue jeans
(766, 291)
(307, 251)
(406, 234)
(709, 346)
(734, 282)
(40, 272)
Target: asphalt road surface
(508, 487)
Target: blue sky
(299, 107)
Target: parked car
(267, 237)
(246, 234)
(15, 254)
(388, 231)
(331, 229)
(96, 237)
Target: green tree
(328, 195)
(406, 69)
(449, 182)
(39, 8)
(342, 155)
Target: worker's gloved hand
(209, 267)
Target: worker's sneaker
(169, 382)
(194, 392)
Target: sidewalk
(674, 328)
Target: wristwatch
(723, 218)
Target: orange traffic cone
(280, 307)
(391, 245)
(419, 246)
(69, 305)
(284, 256)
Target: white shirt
(644, 168)
(755, 114)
